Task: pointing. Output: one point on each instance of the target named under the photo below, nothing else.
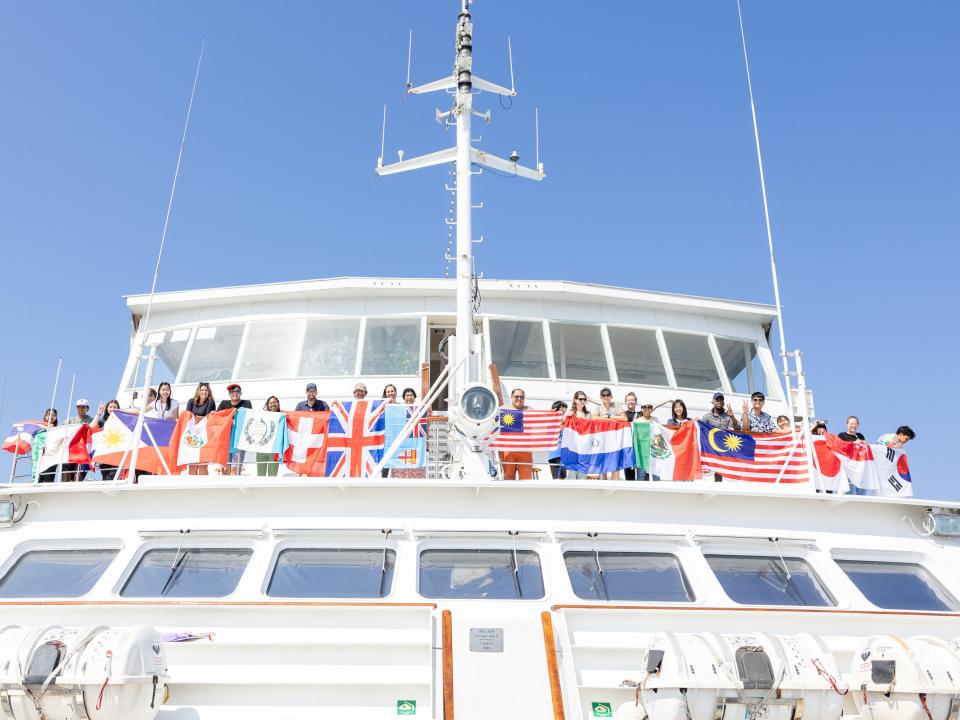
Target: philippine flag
(595, 446)
(110, 444)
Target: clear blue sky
(646, 137)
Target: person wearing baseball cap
(359, 391)
(83, 413)
(312, 403)
(718, 418)
(235, 465)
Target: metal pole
(65, 443)
(802, 399)
(464, 111)
(16, 453)
(138, 427)
(53, 400)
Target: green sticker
(601, 709)
(406, 707)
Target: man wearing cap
(312, 403)
(359, 391)
(718, 418)
(75, 472)
(235, 467)
(756, 419)
(83, 416)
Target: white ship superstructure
(461, 595)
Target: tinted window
(192, 572)
(578, 352)
(653, 577)
(692, 362)
(213, 354)
(269, 349)
(391, 347)
(333, 572)
(754, 580)
(518, 348)
(489, 574)
(172, 345)
(742, 365)
(637, 356)
(898, 586)
(330, 348)
(55, 573)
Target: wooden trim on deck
(553, 672)
(446, 631)
(698, 608)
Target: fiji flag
(412, 451)
(355, 438)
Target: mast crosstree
(463, 84)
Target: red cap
(232, 386)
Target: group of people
(722, 415)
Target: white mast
(462, 84)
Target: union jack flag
(355, 438)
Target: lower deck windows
(898, 586)
(481, 574)
(190, 572)
(332, 573)
(55, 573)
(761, 580)
(652, 577)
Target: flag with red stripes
(753, 458)
(527, 430)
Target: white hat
(84, 402)
(360, 386)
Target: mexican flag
(669, 452)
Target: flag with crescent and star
(725, 444)
(773, 458)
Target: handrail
(446, 631)
(755, 609)
(215, 603)
(553, 672)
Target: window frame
(764, 553)
(714, 356)
(672, 551)
(199, 543)
(107, 544)
(547, 345)
(661, 348)
(302, 543)
(901, 559)
(362, 338)
(470, 545)
(604, 349)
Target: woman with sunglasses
(607, 408)
(578, 408)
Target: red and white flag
(776, 458)
(856, 459)
(306, 435)
(893, 471)
(202, 440)
(528, 430)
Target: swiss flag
(307, 435)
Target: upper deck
(551, 337)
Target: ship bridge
(548, 337)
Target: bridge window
(171, 346)
(332, 573)
(578, 352)
(55, 573)
(742, 365)
(188, 572)
(899, 586)
(213, 354)
(481, 574)
(330, 348)
(760, 580)
(518, 348)
(637, 356)
(269, 349)
(693, 365)
(391, 347)
(652, 577)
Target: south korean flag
(891, 464)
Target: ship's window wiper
(515, 564)
(383, 560)
(601, 580)
(175, 566)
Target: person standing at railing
(852, 434)
(629, 414)
(557, 470)
(607, 408)
(202, 401)
(754, 418)
(268, 463)
(235, 464)
(517, 465)
(36, 448)
(164, 407)
(312, 403)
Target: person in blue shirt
(312, 403)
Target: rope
(822, 671)
(923, 704)
(108, 669)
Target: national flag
(753, 458)
(306, 437)
(596, 446)
(20, 436)
(63, 444)
(893, 470)
(670, 453)
(856, 458)
(355, 438)
(829, 467)
(116, 437)
(259, 431)
(202, 440)
(412, 450)
(527, 430)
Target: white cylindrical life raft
(81, 673)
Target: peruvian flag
(306, 453)
(202, 440)
(856, 461)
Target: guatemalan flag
(20, 436)
(595, 446)
(355, 438)
(117, 436)
(259, 431)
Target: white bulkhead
(100, 673)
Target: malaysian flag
(527, 430)
(753, 458)
(355, 438)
